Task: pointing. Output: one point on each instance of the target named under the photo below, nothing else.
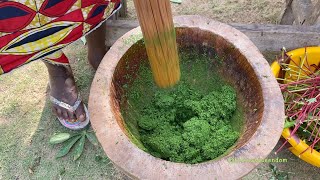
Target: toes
(80, 113)
(65, 115)
(59, 113)
(54, 110)
(62, 113)
(82, 117)
(71, 115)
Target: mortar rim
(114, 141)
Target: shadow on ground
(41, 159)
(27, 123)
(25, 152)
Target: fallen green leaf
(59, 138)
(92, 138)
(66, 148)
(289, 124)
(98, 158)
(273, 168)
(103, 159)
(282, 176)
(79, 148)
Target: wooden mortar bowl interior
(243, 65)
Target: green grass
(27, 123)
(240, 11)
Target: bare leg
(96, 45)
(63, 88)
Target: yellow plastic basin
(298, 146)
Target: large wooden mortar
(242, 64)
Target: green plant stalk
(301, 65)
(294, 66)
(299, 98)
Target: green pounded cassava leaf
(289, 124)
(66, 148)
(79, 148)
(59, 138)
(92, 138)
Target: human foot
(96, 45)
(64, 94)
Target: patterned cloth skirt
(39, 29)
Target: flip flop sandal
(73, 125)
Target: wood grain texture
(314, 15)
(274, 37)
(286, 17)
(267, 37)
(156, 22)
(301, 10)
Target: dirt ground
(27, 123)
(240, 11)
